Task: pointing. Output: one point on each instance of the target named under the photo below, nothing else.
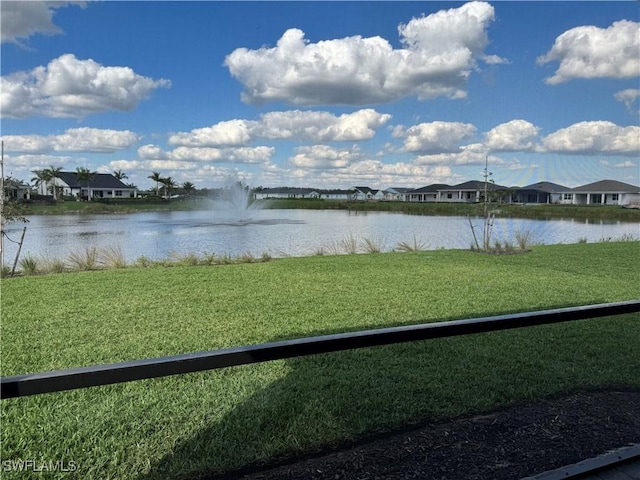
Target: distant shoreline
(537, 211)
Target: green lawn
(173, 427)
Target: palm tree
(188, 187)
(120, 175)
(41, 178)
(86, 176)
(169, 184)
(155, 176)
(51, 174)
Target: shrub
(208, 258)
(189, 260)
(627, 237)
(415, 245)
(143, 261)
(87, 260)
(225, 259)
(54, 266)
(29, 265)
(265, 257)
(523, 238)
(246, 258)
(371, 246)
(113, 257)
(349, 245)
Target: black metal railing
(92, 376)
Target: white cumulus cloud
(152, 152)
(592, 138)
(22, 19)
(380, 175)
(516, 135)
(294, 124)
(247, 155)
(473, 154)
(323, 156)
(228, 133)
(84, 139)
(29, 162)
(435, 137)
(440, 51)
(593, 52)
(628, 96)
(69, 87)
(321, 126)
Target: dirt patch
(509, 443)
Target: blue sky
(323, 94)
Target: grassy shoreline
(216, 421)
(590, 212)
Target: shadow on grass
(329, 399)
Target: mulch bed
(509, 443)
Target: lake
(158, 235)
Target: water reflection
(283, 232)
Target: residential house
(332, 194)
(429, 193)
(606, 192)
(103, 185)
(470, 192)
(541, 192)
(282, 192)
(378, 195)
(363, 193)
(16, 189)
(397, 194)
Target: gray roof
(608, 186)
(365, 189)
(475, 185)
(15, 183)
(398, 189)
(335, 192)
(100, 180)
(546, 187)
(431, 188)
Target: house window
(449, 195)
(614, 197)
(567, 196)
(118, 193)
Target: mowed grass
(215, 421)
